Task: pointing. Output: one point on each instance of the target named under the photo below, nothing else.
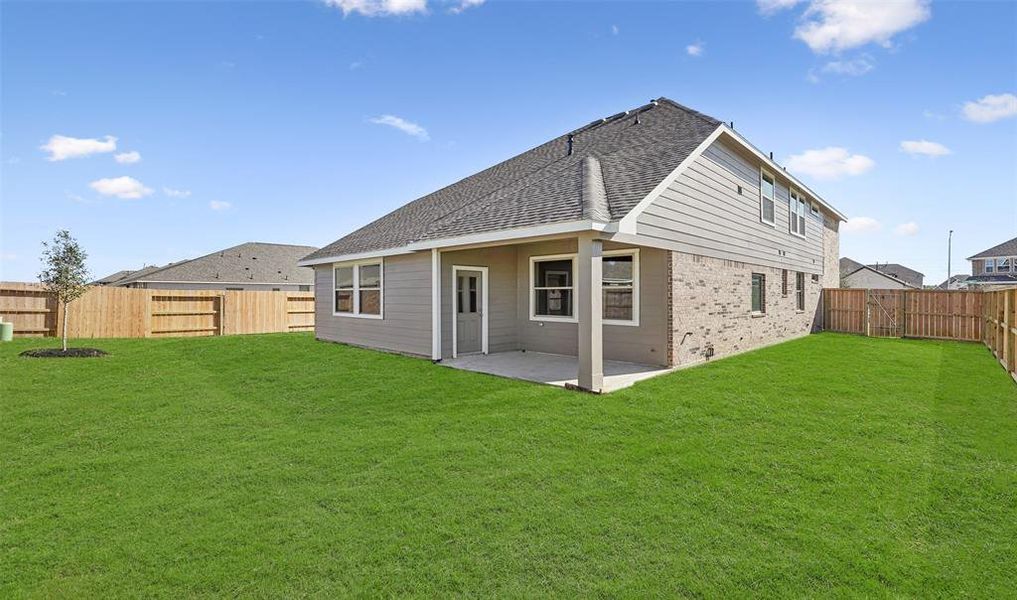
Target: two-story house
(995, 266)
(657, 236)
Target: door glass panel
(473, 294)
(459, 294)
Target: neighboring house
(995, 266)
(888, 276)
(250, 266)
(956, 282)
(658, 236)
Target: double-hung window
(758, 293)
(1003, 265)
(800, 290)
(796, 214)
(767, 190)
(621, 287)
(358, 289)
(552, 284)
(990, 265)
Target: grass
(280, 466)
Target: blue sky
(297, 122)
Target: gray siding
(646, 343)
(407, 309)
(501, 264)
(702, 213)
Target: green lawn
(276, 465)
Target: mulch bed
(61, 353)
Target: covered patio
(552, 369)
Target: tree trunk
(65, 327)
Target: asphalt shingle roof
(634, 151)
(898, 271)
(1007, 248)
(252, 262)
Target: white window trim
(762, 219)
(533, 289)
(989, 265)
(483, 308)
(634, 253)
(380, 261)
(794, 197)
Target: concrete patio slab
(552, 369)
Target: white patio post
(588, 305)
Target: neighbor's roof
(1007, 248)
(545, 184)
(953, 279)
(901, 272)
(849, 267)
(113, 277)
(252, 262)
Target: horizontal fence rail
(128, 312)
(989, 317)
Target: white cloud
(127, 188)
(906, 229)
(924, 147)
(854, 67)
(219, 205)
(172, 193)
(407, 127)
(835, 25)
(928, 114)
(991, 108)
(861, 225)
(356, 65)
(695, 49)
(77, 198)
(62, 147)
(768, 7)
(463, 5)
(379, 8)
(615, 30)
(829, 163)
(127, 158)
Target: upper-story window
(767, 190)
(357, 289)
(796, 214)
(1003, 265)
(989, 265)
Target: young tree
(65, 273)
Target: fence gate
(885, 312)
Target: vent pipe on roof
(771, 156)
(571, 138)
(653, 102)
(732, 124)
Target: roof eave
(492, 237)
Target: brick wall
(712, 301)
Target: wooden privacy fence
(126, 312)
(989, 317)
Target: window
(358, 289)
(275, 289)
(620, 287)
(766, 195)
(783, 282)
(466, 294)
(552, 287)
(814, 209)
(1002, 265)
(758, 293)
(796, 214)
(989, 264)
(303, 288)
(800, 291)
